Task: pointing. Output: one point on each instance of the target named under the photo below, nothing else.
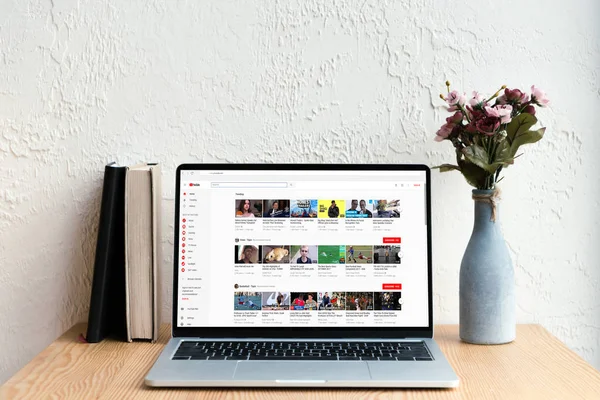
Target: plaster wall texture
(83, 83)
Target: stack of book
(124, 300)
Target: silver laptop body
(302, 275)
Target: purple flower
(488, 125)
(529, 110)
(455, 119)
(514, 96)
(474, 113)
(444, 132)
(538, 96)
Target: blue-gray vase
(487, 279)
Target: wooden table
(536, 365)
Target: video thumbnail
(276, 208)
(303, 301)
(332, 209)
(388, 301)
(359, 254)
(304, 254)
(359, 301)
(245, 208)
(386, 209)
(303, 209)
(273, 254)
(332, 301)
(275, 301)
(387, 254)
(332, 254)
(246, 254)
(359, 208)
(244, 301)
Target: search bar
(249, 185)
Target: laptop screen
(302, 249)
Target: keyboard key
(277, 358)
(237, 357)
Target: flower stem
(498, 174)
(522, 108)
(464, 111)
(495, 94)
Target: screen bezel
(302, 332)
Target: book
(124, 299)
(142, 243)
(107, 304)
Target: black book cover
(107, 315)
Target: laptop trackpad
(302, 370)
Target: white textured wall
(85, 82)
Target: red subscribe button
(391, 286)
(391, 240)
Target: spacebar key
(252, 358)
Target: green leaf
(525, 138)
(447, 167)
(519, 125)
(474, 175)
(478, 156)
(503, 151)
(504, 157)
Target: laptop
(312, 275)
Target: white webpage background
(206, 288)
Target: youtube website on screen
(302, 249)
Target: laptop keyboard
(330, 351)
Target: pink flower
(529, 110)
(488, 125)
(455, 119)
(455, 99)
(444, 132)
(491, 111)
(538, 97)
(504, 112)
(476, 99)
(501, 111)
(514, 96)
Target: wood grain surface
(536, 365)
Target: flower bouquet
(487, 133)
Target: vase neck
(486, 208)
